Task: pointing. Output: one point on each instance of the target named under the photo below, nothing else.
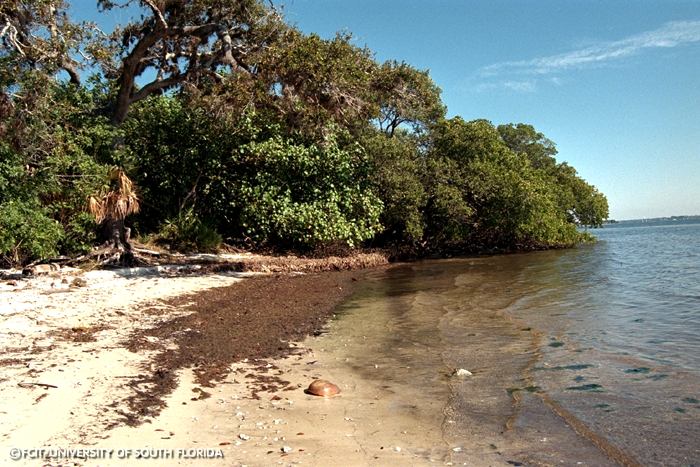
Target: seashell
(461, 372)
(323, 388)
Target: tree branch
(69, 68)
(11, 32)
(158, 14)
(201, 31)
(158, 85)
(129, 73)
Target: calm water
(574, 353)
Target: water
(589, 354)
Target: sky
(615, 84)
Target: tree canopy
(225, 123)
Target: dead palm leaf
(116, 203)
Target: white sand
(88, 375)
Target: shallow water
(587, 355)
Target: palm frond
(96, 208)
(118, 202)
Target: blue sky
(616, 84)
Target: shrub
(26, 232)
(306, 195)
(186, 232)
(397, 179)
(248, 179)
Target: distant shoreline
(692, 218)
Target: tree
(511, 203)
(582, 202)
(113, 205)
(38, 35)
(249, 179)
(449, 217)
(184, 41)
(230, 121)
(466, 141)
(405, 96)
(308, 82)
(26, 229)
(524, 139)
(397, 178)
(179, 42)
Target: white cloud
(669, 35)
(512, 85)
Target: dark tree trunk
(114, 230)
(119, 240)
(118, 235)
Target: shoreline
(109, 353)
(258, 319)
(220, 361)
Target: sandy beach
(105, 361)
(67, 375)
(63, 361)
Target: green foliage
(449, 217)
(187, 232)
(26, 232)
(524, 139)
(405, 96)
(582, 202)
(176, 156)
(308, 82)
(306, 195)
(314, 145)
(257, 184)
(49, 163)
(505, 200)
(396, 177)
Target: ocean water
(589, 355)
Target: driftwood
(144, 251)
(40, 269)
(30, 385)
(57, 259)
(105, 255)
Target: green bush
(254, 183)
(187, 232)
(306, 196)
(51, 159)
(448, 214)
(397, 179)
(26, 232)
(485, 194)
